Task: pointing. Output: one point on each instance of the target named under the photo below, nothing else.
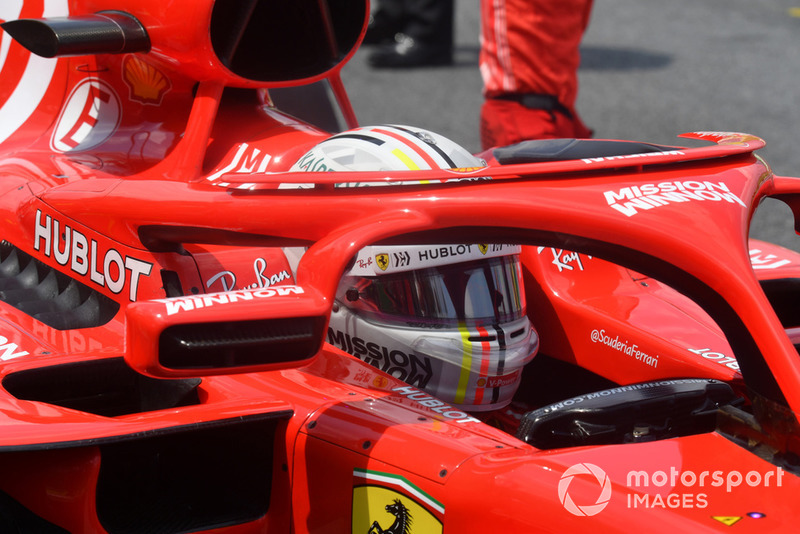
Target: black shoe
(406, 52)
(381, 29)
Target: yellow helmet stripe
(466, 365)
(408, 162)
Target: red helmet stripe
(484, 372)
(424, 155)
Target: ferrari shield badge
(382, 260)
(386, 503)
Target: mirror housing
(240, 331)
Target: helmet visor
(486, 291)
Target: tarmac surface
(650, 70)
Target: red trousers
(530, 47)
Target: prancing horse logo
(382, 260)
(402, 522)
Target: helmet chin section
(471, 367)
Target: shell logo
(586, 509)
(90, 116)
(466, 170)
(380, 382)
(147, 84)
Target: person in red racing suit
(529, 64)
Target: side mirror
(240, 331)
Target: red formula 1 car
(175, 256)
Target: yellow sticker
(379, 509)
(382, 260)
(727, 520)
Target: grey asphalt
(650, 70)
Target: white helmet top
(386, 148)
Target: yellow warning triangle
(727, 520)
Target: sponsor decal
(435, 405)
(71, 248)
(630, 200)
(669, 488)
(449, 251)
(399, 258)
(565, 260)
(717, 357)
(616, 391)
(408, 367)
(766, 261)
(9, 350)
(227, 279)
(311, 162)
(364, 263)
(73, 341)
(498, 381)
(247, 160)
(467, 169)
(370, 379)
(630, 349)
(188, 304)
(146, 84)
(429, 326)
(589, 161)
(385, 502)
(90, 116)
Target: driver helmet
(448, 319)
(386, 148)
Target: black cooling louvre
(48, 295)
(288, 40)
(239, 343)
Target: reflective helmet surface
(448, 319)
(386, 148)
